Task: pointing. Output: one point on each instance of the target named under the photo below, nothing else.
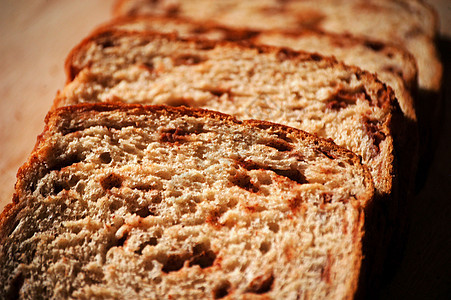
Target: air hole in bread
(394, 70)
(120, 242)
(158, 280)
(176, 135)
(265, 247)
(111, 181)
(221, 290)
(206, 45)
(188, 59)
(16, 285)
(198, 29)
(342, 98)
(14, 227)
(292, 174)
(153, 241)
(173, 263)
(105, 157)
(274, 227)
(148, 66)
(243, 180)
(261, 284)
(374, 131)
(285, 54)
(316, 57)
(58, 187)
(202, 256)
(144, 212)
(144, 187)
(65, 161)
(106, 43)
(218, 92)
(327, 153)
(376, 46)
(326, 198)
(279, 145)
(294, 203)
(172, 10)
(157, 199)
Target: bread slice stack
(302, 90)
(409, 24)
(176, 161)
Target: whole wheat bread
(152, 202)
(410, 23)
(393, 65)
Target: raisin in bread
(410, 23)
(302, 90)
(126, 201)
(393, 65)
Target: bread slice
(306, 91)
(410, 23)
(136, 202)
(393, 65)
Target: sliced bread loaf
(125, 201)
(306, 91)
(410, 23)
(393, 65)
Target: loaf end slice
(154, 201)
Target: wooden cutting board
(35, 38)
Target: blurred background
(35, 38)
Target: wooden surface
(36, 36)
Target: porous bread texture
(306, 91)
(393, 65)
(409, 23)
(132, 202)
